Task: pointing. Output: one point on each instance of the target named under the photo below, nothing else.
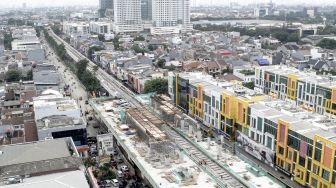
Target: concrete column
(222, 139)
(182, 124)
(190, 130)
(208, 142)
(199, 136)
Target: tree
(101, 37)
(327, 43)
(249, 85)
(137, 49)
(161, 63)
(13, 76)
(29, 75)
(281, 36)
(95, 68)
(158, 85)
(294, 37)
(8, 41)
(81, 67)
(139, 38)
(93, 49)
(151, 47)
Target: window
(290, 155)
(317, 154)
(316, 169)
(314, 183)
(281, 150)
(260, 122)
(325, 174)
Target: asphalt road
(77, 89)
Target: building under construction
(146, 124)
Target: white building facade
(170, 14)
(70, 28)
(100, 27)
(127, 16)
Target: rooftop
(37, 158)
(307, 75)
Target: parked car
(114, 151)
(115, 183)
(120, 174)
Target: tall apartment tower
(146, 10)
(127, 16)
(105, 5)
(171, 13)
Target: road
(112, 85)
(69, 78)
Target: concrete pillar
(208, 142)
(219, 151)
(199, 136)
(190, 130)
(222, 139)
(182, 124)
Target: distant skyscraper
(104, 5)
(146, 9)
(24, 5)
(171, 13)
(127, 16)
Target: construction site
(153, 152)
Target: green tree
(327, 43)
(81, 67)
(158, 85)
(294, 37)
(8, 41)
(281, 36)
(161, 63)
(249, 85)
(13, 76)
(137, 49)
(151, 47)
(101, 37)
(93, 49)
(139, 38)
(29, 76)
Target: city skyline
(44, 3)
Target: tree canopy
(158, 85)
(327, 43)
(13, 76)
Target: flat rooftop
(73, 179)
(310, 76)
(41, 157)
(33, 151)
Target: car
(119, 159)
(86, 102)
(124, 168)
(108, 183)
(115, 183)
(114, 151)
(120, 174)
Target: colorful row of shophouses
(287, 121)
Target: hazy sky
(38, 3)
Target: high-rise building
(127, 16)
(171, 13)
(146, 9)
(105, 5)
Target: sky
(42, 3)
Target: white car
(115, 183)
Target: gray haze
(42, 3)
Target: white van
(115, 183)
